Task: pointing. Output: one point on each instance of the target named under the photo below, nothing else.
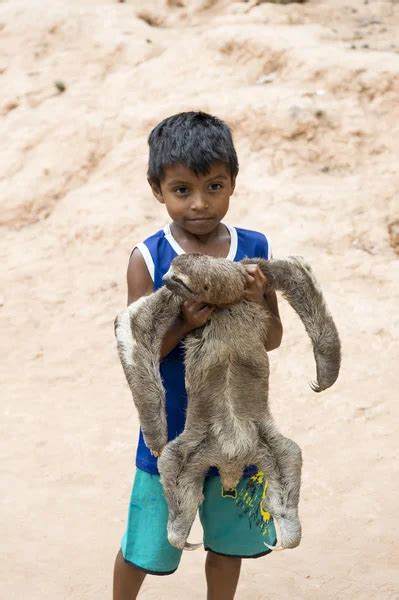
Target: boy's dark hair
(194, 139)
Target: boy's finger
(251, 268)
(205, 312)
(193, 305)
(189, 303)
(206, 308)
(259, 276)
(255, 270)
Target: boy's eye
(215, 187)
(182, 190)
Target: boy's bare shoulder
(139, 282)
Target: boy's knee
(123, 567)
(127, 579)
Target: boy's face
(195, 202)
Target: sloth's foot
(156, 442)
(176, 538)
(288, 532)
(156, 449)
(177, 535)
(180, 541)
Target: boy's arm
(255, 292)
(193, 314)
(139, 282)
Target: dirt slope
(311, 92)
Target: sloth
(228, 422)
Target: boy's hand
(195, 314)
(255, 287)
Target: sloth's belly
(238, 331)
(241, 327)
(233, 434)
(227, 383)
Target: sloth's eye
(206, 288)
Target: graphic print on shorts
(248, 497)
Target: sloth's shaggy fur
(228, 422)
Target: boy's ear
(156, 190)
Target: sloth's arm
(139, 332)
(295, 279)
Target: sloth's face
(206, 279)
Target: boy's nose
(199, 202)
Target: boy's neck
(214, 243)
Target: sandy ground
(311, 91)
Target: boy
(192, 171)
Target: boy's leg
(222, 573)
(144, 545)
(127, 579)
(235, 527)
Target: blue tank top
(158, 251)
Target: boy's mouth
(200, 219)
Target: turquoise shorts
(234, 523)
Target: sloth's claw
(274, 548)
(155, 453)
(279, 546)
(188, 546)
(288, 534)
(314, 385)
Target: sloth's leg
(281, 460)
(182, 476)
(267, 463)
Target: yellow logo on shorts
(250, 498)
